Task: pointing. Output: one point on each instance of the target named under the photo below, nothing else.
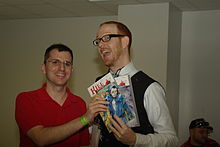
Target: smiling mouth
(105, 52)
(60, 75)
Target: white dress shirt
(158, 115)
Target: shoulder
(141, 78)
(155, 86)
(27, 94)
(212, 142)
(141, 74)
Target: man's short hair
(60, 47)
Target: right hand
(95, 106)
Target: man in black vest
(156, 129)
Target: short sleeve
(25, 113)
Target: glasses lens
(96, 42)
(106, 38)
(55, 62)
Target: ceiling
(28, 9)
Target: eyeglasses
(56, 62)
(106, 38)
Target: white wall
(23, 43)
(200, 70)
(149, 26)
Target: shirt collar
(46, 96)
(129, 69)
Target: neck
(119, 64)
(115, 70)
(57, 93)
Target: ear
(43, 68)
(125, 41)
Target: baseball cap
(200, 123)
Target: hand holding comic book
(122, 132)
(95, 106)
(119, 93)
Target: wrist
(133, 142)
(83, 120)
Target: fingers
(95, 106)
(114, 128)
(118, 127)
(122, 132)
(99, 100)
(98, 103)
(120, 122)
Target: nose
(101, 44)
(62, 66)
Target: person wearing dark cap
(199, 129)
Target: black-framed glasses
(106, 38)
(56, 62)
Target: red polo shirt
(38, 108)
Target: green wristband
(84, 121)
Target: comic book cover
(125, 88)
(94, 88)
(119, 93)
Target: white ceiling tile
(83, 8)
(113, 8)
(22, 2)
(206, 4)
(154, 1)
(66, 1)
(13, 12)
(184, 5)
(45, 10)
(2, 4)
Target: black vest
(140, 82)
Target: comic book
(94, 88)
(119, 93)
(97, 89)
(125, 88)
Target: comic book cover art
(105, 115)
(119, 93)
(118, 104)
(125, 88)
(96, 90)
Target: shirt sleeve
(24, 113)
(160, 119)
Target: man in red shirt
(52, 115)
(199, 130)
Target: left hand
(122, 132)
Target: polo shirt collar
(46, 96)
